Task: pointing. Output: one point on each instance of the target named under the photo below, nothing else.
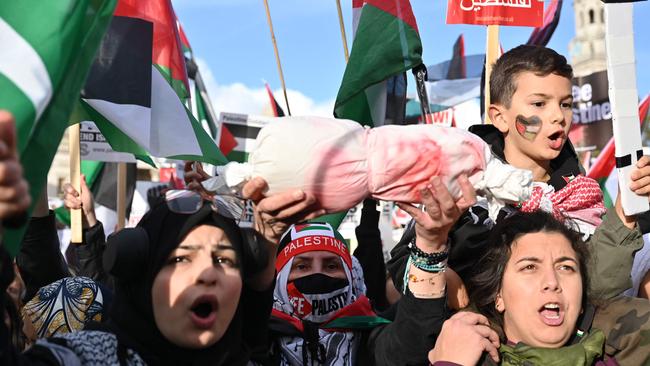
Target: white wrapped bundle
(340, 162)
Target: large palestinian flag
(47, 49)
(202, 106)
(138, 84)
(603, 169)
(386, 44)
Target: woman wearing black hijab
(180, 299)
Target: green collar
(579, 354)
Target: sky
(232, 42)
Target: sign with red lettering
(526, 13)
(442, 118)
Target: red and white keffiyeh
(581, 200)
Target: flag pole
(277, 55)
(75, 181)
(420, 73)
(342, 26)
(491, 55)
(121, 195)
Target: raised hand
(463, 339)
(73, 200)
(274, 214)
(442, 212)
(14, 190)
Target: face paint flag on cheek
(529, 127)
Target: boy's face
(536, 125)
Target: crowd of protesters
(544, 284)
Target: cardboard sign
(93, 146)
(526, 13)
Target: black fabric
(370, 254)
(469, 235)
(39, 260)
(412, 334)
(89, 256)
(407, 340)
(319, 283)
(132, 318)
(121, 71)
(105, 187)
(643, 220)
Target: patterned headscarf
(324, 345)
(64, 306)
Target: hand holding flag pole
(75, 181)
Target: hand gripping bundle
(341, 162)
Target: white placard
(93, 146)
(621, 73)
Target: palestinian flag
(47, 49)
(137, 87)
(275, 106)
(386, 44)
(541, 35)
(202, 104)
(603, 169)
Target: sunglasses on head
(187, 202)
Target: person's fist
(14, 190)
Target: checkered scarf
(581, 200)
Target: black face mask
(319, 283)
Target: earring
(498, 304)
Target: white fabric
(341, 163)
(24, 67)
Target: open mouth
(556, 139)
(202, 310)
(551, 314)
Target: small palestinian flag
(386, 44)
(275, 106)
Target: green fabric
(118, 140)
(238, 156)
(606, 197)
(201, 113)
(384, 46)
(580, 354)
(334, 219)
(91, 170)
(177, 85)
(66, 35)
(612, 249)
(356, 322)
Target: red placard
(527, 13)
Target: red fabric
(361, 307)
(167, 50)
(227, 142)
(399, 9)
(581, 193)
(313, 243)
